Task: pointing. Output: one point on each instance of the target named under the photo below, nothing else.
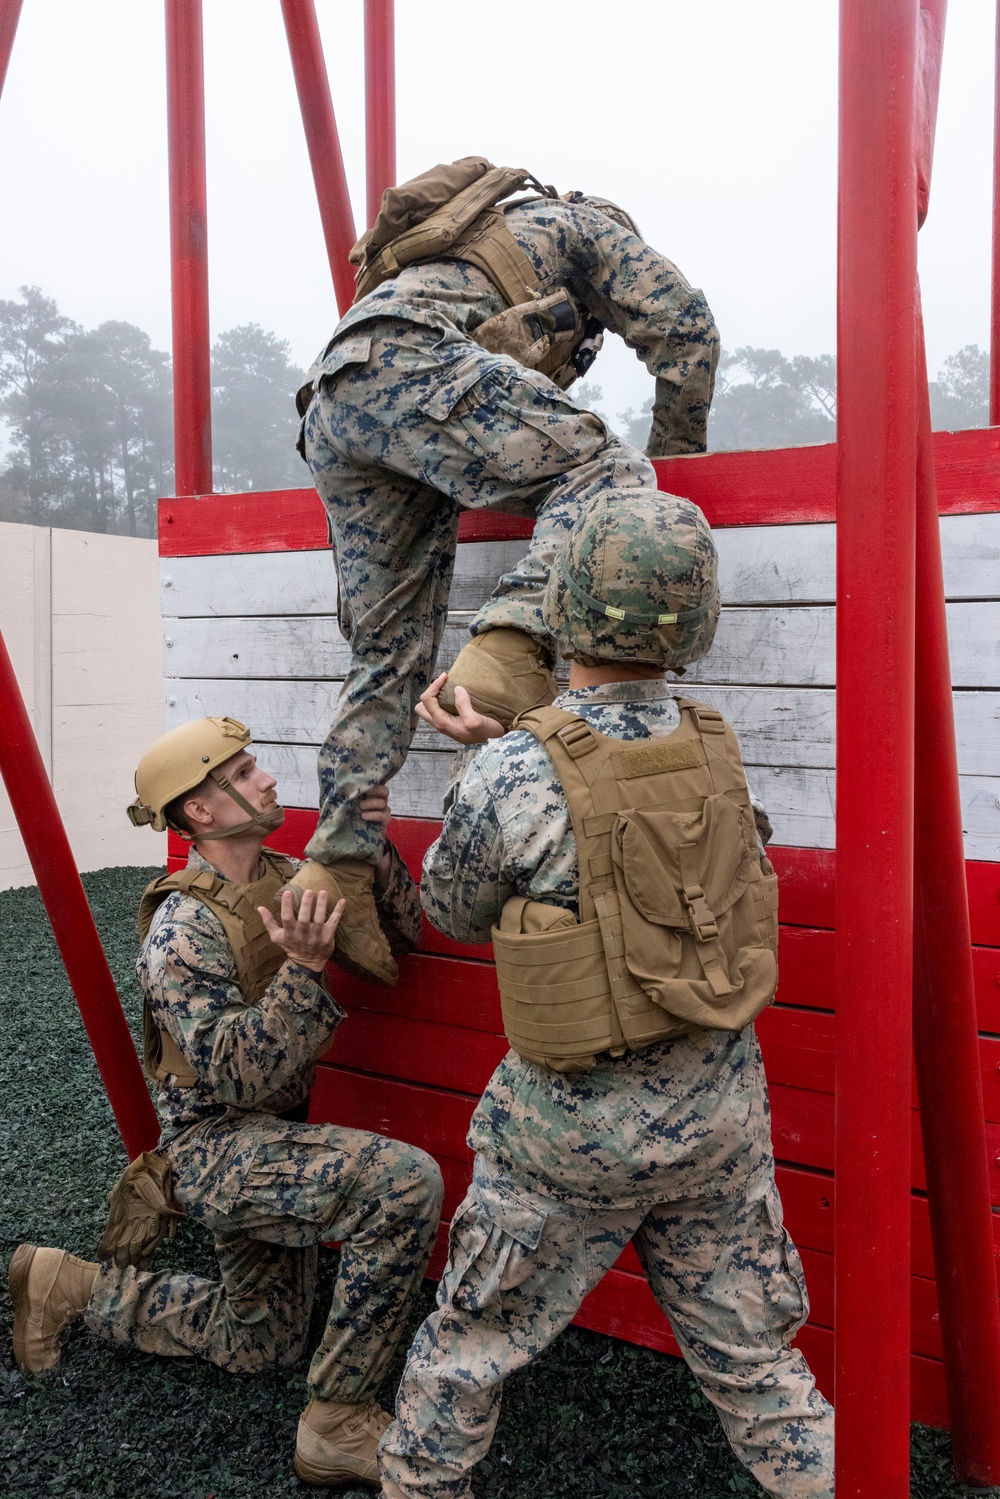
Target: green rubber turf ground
(594, 1417)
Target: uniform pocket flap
(509, 1212)
(356, 350)
(448, 386)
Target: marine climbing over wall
(444, 388)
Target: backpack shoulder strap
(446, 227)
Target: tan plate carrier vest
(678, 911)
(257, 957)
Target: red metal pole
(995, 259)
(876, 442)
(930, 50)
(10, 12)
(380, 102)
(945, 1039)
(323, 142)
(189, 248)
(60, 887)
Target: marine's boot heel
(503, 672)
(362, 948)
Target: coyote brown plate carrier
(678, 909)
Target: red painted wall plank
(397, 1040)
(801, 1121)
(807, 878)
(770, 487)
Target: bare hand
(310, 936)
(469, 727)
(375, 808)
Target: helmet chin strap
(266, 822)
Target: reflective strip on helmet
(633, 616)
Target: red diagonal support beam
(876, 444)
(313, 87)
(10, 13)
(189, 248)
(945, 1037)
(380, 102)
(60, 887)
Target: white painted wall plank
(800, 802)
(758, 565)
(775, 725)
(305, 582)
(791, 646)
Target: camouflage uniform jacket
(679, 1119)
(258, 1058)
(612, 275)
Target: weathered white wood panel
(791, 647)
(800, 802)
(758, 565)
(797, 564)
(279, 712)
(418, 790)
(776, 725)
(305, 582)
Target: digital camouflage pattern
(271, 1192)
(520, 1264)
(643, 554)
(412, 421)
(669, 1146)
(612, 275)
(269, 1189)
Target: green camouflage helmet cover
(635, 580)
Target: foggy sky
(714, 124)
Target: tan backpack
(451, 213)
(257, 957)
(678, 910)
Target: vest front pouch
(692, 942)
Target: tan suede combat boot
(49, 1289)
(503, 672)
(361, 949)
(338, 1443)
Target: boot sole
(331, 1477)
(17, 1281)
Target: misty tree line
(88, 413)
(764, 400)
(89, 419)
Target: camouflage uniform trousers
(408, 427)
(306, 1184)
(722, 1268)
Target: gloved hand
(139, 1212)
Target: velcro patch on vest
(651, 759)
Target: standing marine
(445, 388)
(236, 1010)
(608, 844)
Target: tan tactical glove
(140, 1214)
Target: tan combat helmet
(179, 761)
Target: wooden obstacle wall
(249, 615)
